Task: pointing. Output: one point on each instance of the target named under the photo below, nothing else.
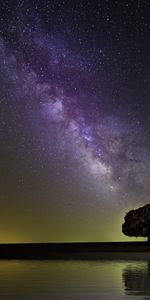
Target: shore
(81, 251)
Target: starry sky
(74, 118)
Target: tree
(137, 222)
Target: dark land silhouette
(86, 250)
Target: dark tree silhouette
(137, 222)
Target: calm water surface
(116, 279)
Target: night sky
(74, 118)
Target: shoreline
(79, 251)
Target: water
(116, 279)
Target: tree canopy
(137, 222)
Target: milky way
(62, 131)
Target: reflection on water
(136, 278)
(94, 280)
